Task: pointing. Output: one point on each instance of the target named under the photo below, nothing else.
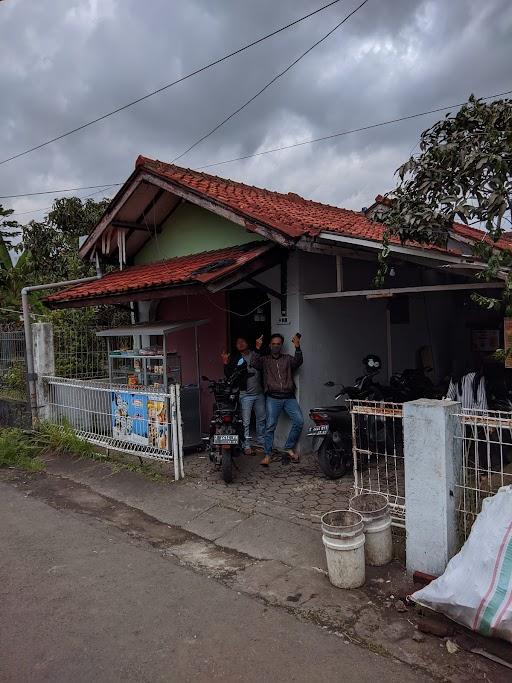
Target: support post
(433, 458)
(44, 365)
(339, 273)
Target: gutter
(29, 345)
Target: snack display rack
(143, 358)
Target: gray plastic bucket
(374, 509)
(343, 539)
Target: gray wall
(339, 332)
(336, 334)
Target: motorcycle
(332, 425)
(412, 384)
(224, 441)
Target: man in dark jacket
(251, 391)
(278, 369)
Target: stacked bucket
(356, 537)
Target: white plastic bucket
(343, 539)
(374, 509)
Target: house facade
(191, 246)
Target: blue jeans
(248, 403)
(275, 407)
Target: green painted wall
(190, 230)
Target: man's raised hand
(225, 357)
(296, 340)
(259, 343)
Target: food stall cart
(143, 356)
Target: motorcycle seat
(330, 409)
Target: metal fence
(13, 365)
(377, 444)
(116, 417)
(79, 352)
(486, 444)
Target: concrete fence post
(44, 364)
(432, 467)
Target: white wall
(336, 334)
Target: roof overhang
(431, 255)
(142, 206)
(259, 257)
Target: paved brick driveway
(298, 492)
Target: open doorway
(249, 316)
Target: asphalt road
(82, 601)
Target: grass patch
(61, 439)
(23, 449)
(17, 449)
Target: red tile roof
(288, 214)
(473, 234)
(200, 268)
(476, 235)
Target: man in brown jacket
(278, 369)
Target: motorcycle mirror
(330, 383)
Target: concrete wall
(212, 338)
(15, 414)
(190, 230)
(430, 324)
(336, 333)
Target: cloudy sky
(63, 62)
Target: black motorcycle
(332, 425)
(224, 442)
(412, 384)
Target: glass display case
(144, 356)
(140, 356)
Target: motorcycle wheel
(332, 460)
(227, 466)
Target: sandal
(294, 457)
(266, 461)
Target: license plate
(318, 430)
(222, 439)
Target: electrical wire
(267, 85)
(169, 85)
(69, 189)
(47, 208)
(345, 132)
(291, 146)
(240, 315)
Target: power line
(47, 208)
(346, 132)
(69, 189)
(170, 85)
(267, 85)
(291, 146)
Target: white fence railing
(131, 420)
(377, 444)
(486, 438)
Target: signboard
(140, 419)
(485, 341)
(507, 339)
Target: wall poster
(140, 419)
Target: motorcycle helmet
(372, 363)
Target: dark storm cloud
(63, 62)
